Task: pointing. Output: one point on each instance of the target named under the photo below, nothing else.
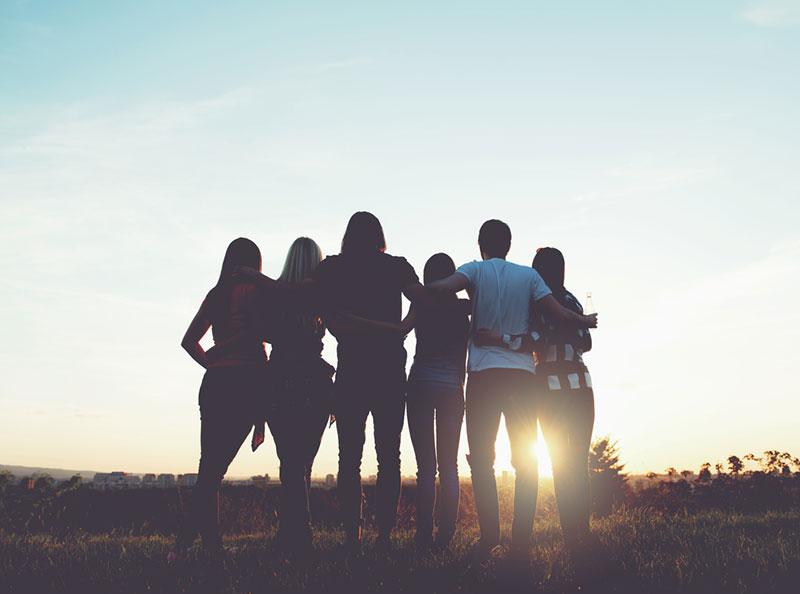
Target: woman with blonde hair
(301, 395)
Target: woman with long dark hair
(302, 396)
(567, 417)
(232, 386)
(435, 403)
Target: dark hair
(549, 263)
(494, 238)
(240, 252)
(364, 234)
(437, 267)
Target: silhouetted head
(494, 239)
(303, 258)
(549, 263)
(240, 252)
(437, 267)
(364, 234)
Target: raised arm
(196, 330)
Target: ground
(647, 552)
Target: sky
(656, 144)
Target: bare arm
(521, 343)
(408, 323)
(561, 315)
(452, 284)
(191, 340)
(345, 323)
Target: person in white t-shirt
(502, 381)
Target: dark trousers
(441, 406)
(567, 420)
(377, 387)
(228, 397)
(512, 393)
(297, 422)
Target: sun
(538, 447)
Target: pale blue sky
(657, 144)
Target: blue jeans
(514, 394)
(442, 405)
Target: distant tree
(672, 473)
(786, 470)
(772, 462)
(44, 482)
(607, 480)
(652, 475)
(686, 474)
(704, 475)
(755, 460)
(719, 468)
(735, 465)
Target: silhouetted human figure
(232, 387)
(302, 391)
(568, 412)
(501, 382)
(435, 403)
(370, 378)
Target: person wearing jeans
(233, 385)
(362, 290)
(512, 393)
(302, 387)
(435, 404)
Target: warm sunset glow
(503, 454)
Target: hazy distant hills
(57, 473)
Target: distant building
(117, 480)
(100, 480)
(330, 481)
(187, 480)
(165, 481)
(260, 481)
(149, 480)
(132, 481)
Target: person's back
(442, 333)
(231, 311)
(435, 404)
(369, 285)
(501, 293)
(296, 338)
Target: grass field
(648, 552)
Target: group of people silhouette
(521, 330)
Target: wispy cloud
(773, 13)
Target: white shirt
(501, 294)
